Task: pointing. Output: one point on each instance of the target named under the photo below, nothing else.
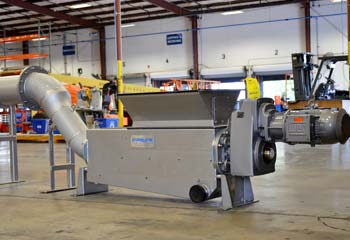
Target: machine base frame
(85, 187)
(236, 191)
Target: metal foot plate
(59, 190)
(13, 182)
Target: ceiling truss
(23, 17)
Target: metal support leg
(11, 138)
(85, 187)
(69, 166)
(52, 159)
(70, 171)
(236, 191)
(13, 144)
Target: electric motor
(312, 126)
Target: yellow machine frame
(88, 82)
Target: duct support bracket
(11, 138)
(69, 166)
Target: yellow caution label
(253, 88)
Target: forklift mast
(302, 74)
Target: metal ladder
(69, 166)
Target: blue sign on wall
(68, 50)
(174, 39)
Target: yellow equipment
(88, 82)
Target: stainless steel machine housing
(197, 145)
(194, 144)
(169, 149)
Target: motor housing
(256, 125)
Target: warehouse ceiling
(24, 17)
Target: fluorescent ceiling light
(80, 5)
(39, 39)
(232, 12)
(337, 1)
(128, 25)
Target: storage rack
(22, 38)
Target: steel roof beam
(147, 18)
(48, 12)
(171, 7)
(36, 16)
(214, 10)
(124, 9)
(7, 5)
(53, 5)
(33, 18)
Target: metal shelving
(22, 38)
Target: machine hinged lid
(203, 108)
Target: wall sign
(68, 50)
(174, 39)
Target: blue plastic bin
(279, 108)
(107, 122)
(40, 126)
(56, 131)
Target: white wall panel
(244, 44)
(252, 43)
(149, 53)
(86, 55)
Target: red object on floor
(26, 127)
(4, 128)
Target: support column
(348, 15)
(194, 22)
(102, 36)
(64, 56)
(4, 47)
(25, 50)
(307, 26)
(118, 40)
(13, 144)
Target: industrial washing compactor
(196, 144)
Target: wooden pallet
(38, 138)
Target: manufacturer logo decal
(142, 141)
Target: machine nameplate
(142, 141)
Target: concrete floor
(307, 198)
